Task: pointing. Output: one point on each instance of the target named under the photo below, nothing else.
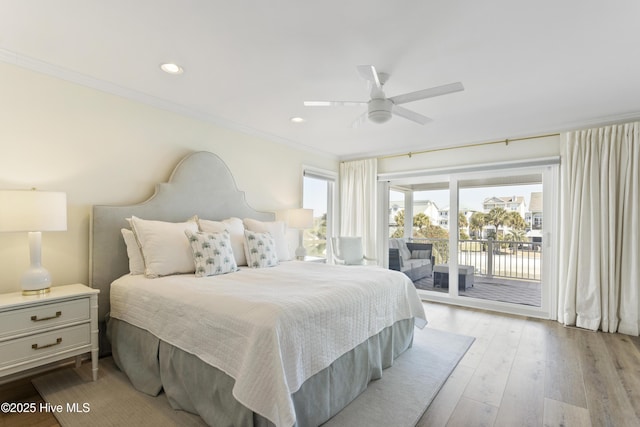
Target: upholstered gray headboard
(201, 184)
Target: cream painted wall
(104, 149)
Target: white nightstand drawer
(34, 318)
(36, 331)
(41, 345)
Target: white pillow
(136, 262)
(405, 253)
(277, 230)
(212, 254)
(260, 249)
(236, 230)
(209, 226)
(164, 247)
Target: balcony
(507, 271)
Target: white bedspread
(252, 324)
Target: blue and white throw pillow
(212, 253)
(260, 249)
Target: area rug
(398, 399)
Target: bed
(289, 344)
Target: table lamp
(300, 219)
(33, 211)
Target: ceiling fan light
(379, 110)
(379, 116)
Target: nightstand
(41, 329)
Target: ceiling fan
(379, 107)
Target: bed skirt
(194, 386)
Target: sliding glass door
(500, 245)
(491, 233)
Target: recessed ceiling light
(171, 68)
(297, 120)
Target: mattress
(269, 329)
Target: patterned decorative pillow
(278, 231)
(235, 228)
(260, 249)
(212, 253)
(421, 254)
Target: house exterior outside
(533, 217)
(440, 216)
(510, 204)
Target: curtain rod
(502, 141)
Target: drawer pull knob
(35, 318)
(36, 347)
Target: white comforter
(270, 329)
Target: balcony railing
(493, 258)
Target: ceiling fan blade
(427, 93)
(334, 103)
(360, 120)
(370, 74)
(410, 115)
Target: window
(537, 222)
(318, 192)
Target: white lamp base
(38, 292)
(301, 253)
(36, 280)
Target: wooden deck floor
(525, 292)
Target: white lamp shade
(300, 218)
(31, 210)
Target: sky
(315, 196)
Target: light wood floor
(529, 372)
(518, 372)
(23, 391)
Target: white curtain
(358, 204)
(599, 229)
